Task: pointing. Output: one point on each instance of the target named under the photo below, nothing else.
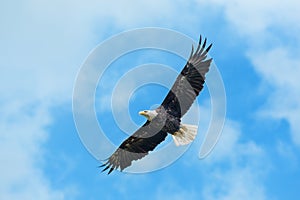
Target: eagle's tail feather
(185, 135)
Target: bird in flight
(166, 119)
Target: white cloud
(263, 24)
(42, 45)
(235, 184)
(289, 155)
(22, 132)
(257, 17)
(39, 60)
(281, 70)
(235, 169)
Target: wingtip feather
(105, 168)
(111, 169)
(208, 48)
(200, 40)
(204, 44)
(191, 52)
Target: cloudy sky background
(256, 48)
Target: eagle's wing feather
(177, 102)
(189, 82)
(137, 146)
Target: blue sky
(256, 48)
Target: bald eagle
(166, 119)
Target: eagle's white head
(149, 114)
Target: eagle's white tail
(185, 135)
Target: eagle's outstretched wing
(137, 146)
(180, 98)
(189, 82)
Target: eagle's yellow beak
(142, 113)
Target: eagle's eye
(145, 111)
